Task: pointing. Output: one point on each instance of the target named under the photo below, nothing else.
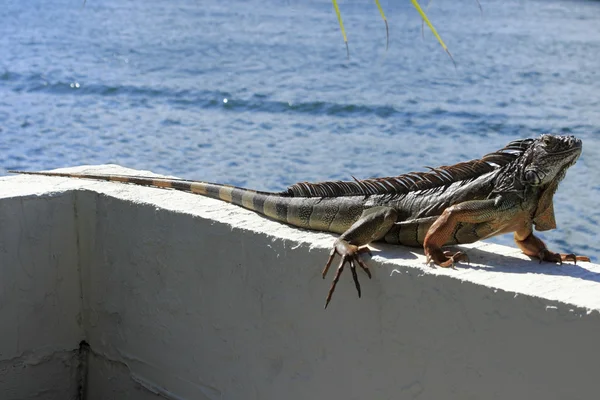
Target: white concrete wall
(184, 297)
(40, 295)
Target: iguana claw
(350, 254)
(547, 255)
(454, 258)
(446, 259)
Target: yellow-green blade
(339, 17)
(437, 36)
(387, 31)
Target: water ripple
(261, 94)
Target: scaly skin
(509, 190)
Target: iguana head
(542, 166)
(546, 161)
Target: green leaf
(387, 31)
(437, 36)
(339, 17)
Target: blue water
(259, 93)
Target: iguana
(509, 190)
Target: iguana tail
(265, 203)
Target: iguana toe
(445, 259)
(547, 255)
(350, 254)
(574, 258)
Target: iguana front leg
(482, 212)
(533, 246)
(372, 225)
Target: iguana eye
(547, 140)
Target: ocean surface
(260, 93)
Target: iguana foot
(350, 254)
(547, 255)
(445, 259)
(533, 246)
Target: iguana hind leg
(372, 225)
(481, 212)
(533, 246)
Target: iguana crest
(435, 178)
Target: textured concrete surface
(40, 296)
(185, 297)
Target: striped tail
(265, 203)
